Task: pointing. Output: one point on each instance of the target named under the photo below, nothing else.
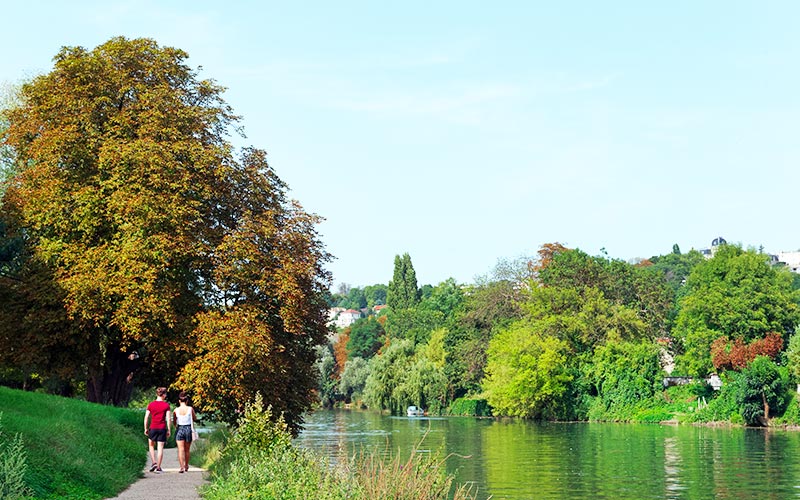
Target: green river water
(511, 459)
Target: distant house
(713, 380)
(333, 312)
(347, 318)
(791, 259)
(715, 244)
(377, 310)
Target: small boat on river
(413, 411)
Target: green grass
(74, 449)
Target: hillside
(74, 449)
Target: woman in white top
(184, 419)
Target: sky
(466, 132)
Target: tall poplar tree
(403, 292)
(164, 247)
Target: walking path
(169, 484)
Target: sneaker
(180, 471)
(159, 470)
(153, 467)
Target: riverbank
(260, 460)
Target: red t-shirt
(158, 414)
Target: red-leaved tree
(736, 355)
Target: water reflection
(521, 460)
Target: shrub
(470, 407)
(792, 414)
(624, 374)
(762, 390)
(723, 407)
(653, 415)
(258, 430)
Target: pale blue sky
(465, 132)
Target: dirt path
(169, 484)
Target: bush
(762, 381)
(624, 374)
(653, 415)
(723, 407)
(792, 414)
(470, 408)
(258, 429)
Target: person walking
(158, 414)
(184, 432)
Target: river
(513, 459)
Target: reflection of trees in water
(672, 468)
(522, 459)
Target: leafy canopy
(736, 294)
(160, 243)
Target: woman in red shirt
(159, 431)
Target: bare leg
(181, 454)
(150, 444)
(187, 454)
(160, 453)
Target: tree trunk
(766, 407)
(110, 380)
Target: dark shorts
(184, 433)
(157, 435)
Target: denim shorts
(184, 433)
(157, 435)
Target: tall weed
(260, 461)
(421, 476)
(13, 466)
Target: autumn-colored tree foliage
(547, 253)
(736, 355)
(163, 245)
(340, 350)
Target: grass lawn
(75, 449)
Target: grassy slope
(75, 449)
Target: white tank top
(184, 419)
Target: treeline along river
(515, 459)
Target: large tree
(738, 295)
(528, 372)
(164, 244)
(366, 336)
(375, 294)
(576, 305)
(641, 289)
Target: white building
(333, 312)
(791, 259)
(347, 318)
(715, 243)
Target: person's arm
(169, 427)
(146, 416)
(193, 417)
